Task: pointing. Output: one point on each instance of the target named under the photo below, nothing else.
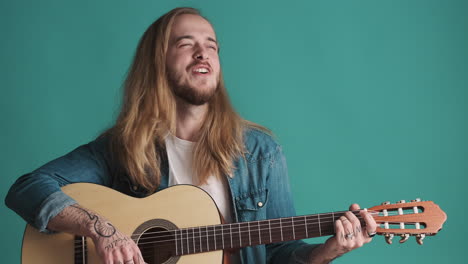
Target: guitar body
(130, 216)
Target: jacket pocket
(251, 206)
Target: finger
(354, 207)
(127, 255)
(371, 225)
(107, 258)
(138, 259)
(340, 231)
(137, 256)
(347, 227)
(117, 257)
(356, 224)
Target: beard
(189, 94)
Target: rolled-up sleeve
(37, 196)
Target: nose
(200, 53)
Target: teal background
(368, 98)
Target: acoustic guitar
(181, 224)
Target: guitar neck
(244, 234)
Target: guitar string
(216, 236)
(194, 249)
(237, 227)
(241, 223)
(147, 255)
(240, 226)
(229, 226)
(239, 230)
(191, 239)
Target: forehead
(188, 24)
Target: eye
(185, 45)
(213, 47)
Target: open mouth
(201, 69)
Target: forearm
(321, 255)
(111, 245)
(80, 221)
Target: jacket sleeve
(281, 205)
(37, 196)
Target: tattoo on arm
(102, 229)
(114, 243)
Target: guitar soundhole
(156, 241)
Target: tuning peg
(416, 200)
(388, 238)
(404, 238)
(401, 201)
(386, 203)
(420, 238)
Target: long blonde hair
(148, 114)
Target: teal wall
(368, 98)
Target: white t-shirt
(180, 154)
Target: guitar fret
(259, 235)
(207, 240)
(240, 234)
(230, 230)
(214, 236)
(269, 229)
(305, 223)
(182, 241)
(201, 244)
(293, 231)
(281, 229)
(222, 235)
(248, 227)
(193, 239)
(320, 228)
(176, 246)
(333, 219)
(188, 243)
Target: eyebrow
(191, 37)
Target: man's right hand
(117, 249)
(112, 246)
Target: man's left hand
(349, 235)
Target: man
(177, 126)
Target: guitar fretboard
(244, 234)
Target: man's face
(192, 59)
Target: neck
(189, 120)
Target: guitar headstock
(416, 218)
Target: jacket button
(260, 204)
(135, 187)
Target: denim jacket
(259, 190)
